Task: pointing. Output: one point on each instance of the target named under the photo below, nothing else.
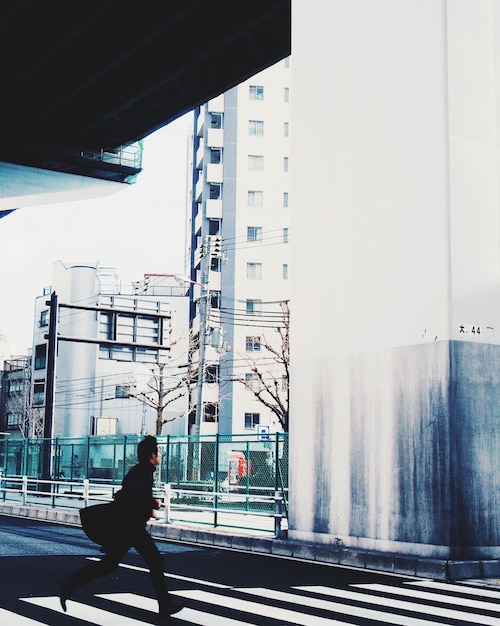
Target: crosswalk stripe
(339, 607)
(14, 619)
(434, 597)
(85, 612)
(459, 616)
(464, 589)
(196, 581)
(186, 615)
(297, 617)
(417, 600)
(255, 608)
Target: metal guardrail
(258, 512)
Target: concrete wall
(394, 418)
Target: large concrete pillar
(395, 406)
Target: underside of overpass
(82, 80)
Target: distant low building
(16, 415)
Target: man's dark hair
(146, 448)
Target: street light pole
(204, 309)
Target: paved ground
(483, 573)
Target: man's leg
(146, 547)
(96, 569)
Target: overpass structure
(85, 82)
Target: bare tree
(30, 418)
(161, 389)
(269, 379)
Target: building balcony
(216, 105)
(214, 281)
(215, 138)
(201, 122)
(213, 209)
(198, 190)
(198, 221)
(199, 155)
(215, 173)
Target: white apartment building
(114, 343)
(239, 253)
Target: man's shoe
(64, 595)
(171, 608)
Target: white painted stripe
(85, 612)
(196, 581)
(433, 597)
(186, 614)
(459, 616)
(13, 619)
(255, 608)
(296, 617)
(470, 591)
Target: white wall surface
(395, 249)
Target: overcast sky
(138, 230)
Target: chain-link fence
(218, 474)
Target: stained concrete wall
(395, 323)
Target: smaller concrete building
(120, 353)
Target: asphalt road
(219, 587)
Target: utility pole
(204, 306)
(50, 388)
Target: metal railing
(231, 509)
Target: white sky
(138, 230)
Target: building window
(213, 227)
(122, 391)
(212, 374)
(214, 191)
(253, 344)
(215, 299)
(256, 198)
(106, 326)
(216, 120)
(215, 155)
(285, 235)
(210, 412)
(286, 129)
(44, 318)
(129, 328)
(254, 271)
(285, 271)
(147, 330)
(287, 94)
(252, 380)
(255, 127)
(39, 393)
(252, 420)
(256, 92)
(254, 233)
(254, 306)
(285, 199)
(14, 421)
(255, 162)
(41, 356)
(287, 62)
(285, 164)
(15, 385)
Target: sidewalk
(477, 573)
